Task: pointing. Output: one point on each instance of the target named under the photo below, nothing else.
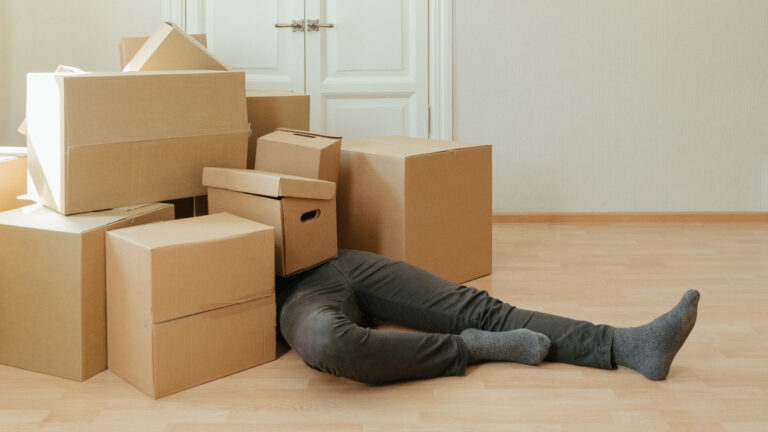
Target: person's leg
(406, 295)
(322, 323)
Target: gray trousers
(325, 315)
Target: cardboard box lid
(200, 229)
(161, 102)
(268, 183)
(38, 217)
(403, 147)
(301, 138)
(170, 48)
(273, 93)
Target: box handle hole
(313, 214)
(304, 135)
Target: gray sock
(650, 349)
(521, 346)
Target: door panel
(242, 34)
(367, 76)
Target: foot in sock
(521, 346)
(650, 349)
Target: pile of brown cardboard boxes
(92, 276)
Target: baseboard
(632, 217)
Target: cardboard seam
(132, 217)
(70, 146)
(234, 303)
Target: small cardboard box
(52, 287)
(302, 210)
(189, 301)
(13, 177)
(270, 110)
(426, 202)
(299, 153)
(105, 140)
(170, 48)
(129, 46)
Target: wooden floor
(622, 274)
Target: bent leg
(321, 320)
(329, 342)
(406, 295)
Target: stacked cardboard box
(302, 210)
(178, 303)
(119, 139)
(205, 285)
(52, 274)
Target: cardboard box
(270, 110)
(129, 46)
(189, 301)
(299, 153)
(52, 287)
(425, 202)
(107, 140)
(170, 48)
(302, 210)
(13, 177)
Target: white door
(366, 76)
(243, 35)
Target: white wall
(616, 105)
(38, 35)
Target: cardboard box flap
(403, 147)
(38, 217)
(94, 100)
(170, 48)
(268, 183)
(190, 230)
(22, 129)
(129, 46)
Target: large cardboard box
(105, 140)
(189, 301)
(13, 177)
(269, 110)
(170, 48)
(302, 211)
(426, 202)
(52, 287)
(299, 153)
(129, 46)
